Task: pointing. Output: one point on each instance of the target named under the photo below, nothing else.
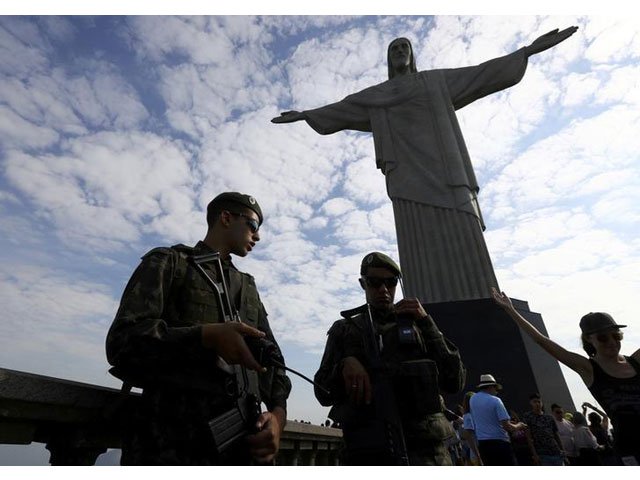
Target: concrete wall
(77, 422)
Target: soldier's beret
(377, 259)
(240, 198)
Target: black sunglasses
(252, 223)
(377, 282)
(603, 337)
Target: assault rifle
(239, 421)
(376, 430)
(384, 398)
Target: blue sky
(115, 132)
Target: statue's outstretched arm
(549, 40)
(289, 117)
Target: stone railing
(77, 422)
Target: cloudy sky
(115, 132)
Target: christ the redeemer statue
(420, 149)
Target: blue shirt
(488, 411)
(467, 422)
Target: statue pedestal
(490, 342)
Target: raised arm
(594, 408)
(548, 40)
(605, 418)
(575, 362)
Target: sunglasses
(377, 282)
(252, 223)
(604, 337)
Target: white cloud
(71, 104)
(364, 182)
(316, 223)
(287, 168)
(584, 251)
(196, 38)
(569, 164)
(114, 101)
(621, 86)
(563, 298)
(22, 49)
(323, 71)
(337, 206)
(51, 316)
(211, 67)
(8, 197)
(18, 133)
(579, 88)
(296, 24)
(59, 29)
(619, 207)
(531, 232)
(19, 232)
(612, 39)
(105, 186)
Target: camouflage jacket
(443, 372)
(155, 338)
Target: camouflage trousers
(170, 427)
(429, 453)
(427, 440)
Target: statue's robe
(420, 149)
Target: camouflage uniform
(417, 393)
(155, 342)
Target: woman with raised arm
(599, 426)
(612, 378)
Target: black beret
(240, 198)
(377, 259)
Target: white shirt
(583, 438)
(566, 432)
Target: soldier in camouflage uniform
(419, 371)
(167, 336)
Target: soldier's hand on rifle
(410, 307)
(227, 339)
(356, 381)
(264, 445)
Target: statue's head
(400, 58)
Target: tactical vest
(415, 380)
(415, 376)
(192, 301)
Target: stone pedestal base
(490, 342)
